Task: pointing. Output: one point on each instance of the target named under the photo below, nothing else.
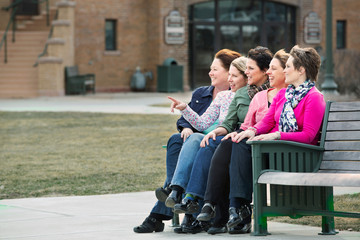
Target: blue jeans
(174, 146)
(186, 160)
(199, 174)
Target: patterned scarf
(293, 96)
(253, 89)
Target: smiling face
(276, 74)
(254, 73)
(236, 79)
(218, 74)
(292, 75)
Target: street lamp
(329, 86)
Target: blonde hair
(240, 64)
(282, 56)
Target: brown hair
(262, 56)
(226, 56)
(282, 56)
(307, 58)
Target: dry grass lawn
(57, 154)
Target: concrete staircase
(18, 77)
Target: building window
(110, 35)
(340, 34)
(239, 26)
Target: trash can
(169, 76)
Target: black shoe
(150, 225)
(187, 221)
(237, 215)
(173, 198)
(207, 213)
(196, 227)
(241, 229)
(217, 230)
(187, 206)
(162, 193)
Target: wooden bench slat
(350, 156)
(340, 165)
(345, 135)
(343, 126)
(311, 179)
(344, 116)
(345, 106)
(344, 145)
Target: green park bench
(76, 83)
(300, 177)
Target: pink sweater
(309, 114)
(257, 109)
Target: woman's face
(236, 79)
(276, 74)
(218, 74)
(254, 73)
(292, 76)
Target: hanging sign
(174, 28)
(312, 28)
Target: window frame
(113, 33)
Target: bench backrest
(71, 71)
(341, 138)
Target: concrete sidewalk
(113, 217)
(131, 102)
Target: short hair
(307, 58)
(262, 56)
(240, 64)
(226, 56)
(282, 56)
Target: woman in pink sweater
(295, 114)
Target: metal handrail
(12, 20)
(44, 52)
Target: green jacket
(237, 110)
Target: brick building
(111, 38)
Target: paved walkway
(110, 216)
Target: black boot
(207, 213)
(162, 193)
(187, 205)
(173, 198)
(197, 227)
(187, 221)
(150, 225)
(237, 215)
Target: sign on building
(312, 28)
(174, 28)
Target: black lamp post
(329, 86)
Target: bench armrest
(287, 156)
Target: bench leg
(328, 223)
(175, 220)
(260, 221)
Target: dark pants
(241, 181)
(172, 153)
(218, 184)
(230, 176)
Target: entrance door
(236, 25)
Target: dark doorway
(239, 26)
(28, 7)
